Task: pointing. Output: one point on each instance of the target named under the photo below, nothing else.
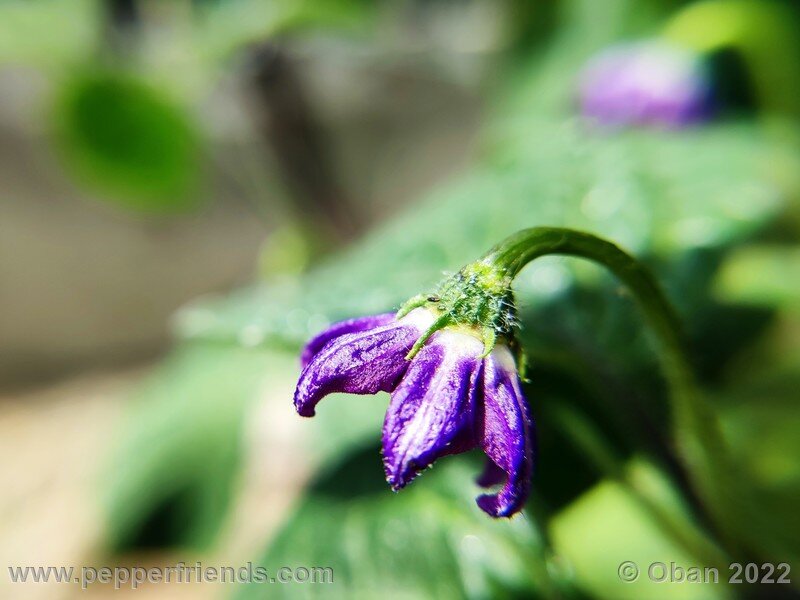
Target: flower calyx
(476, 300)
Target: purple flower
(449, 398)
(646, 83)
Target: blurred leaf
(762, 32)
(170, 481)
(761, 418)
(47, 32)
(226, 27)
(761, 275)
(656, 194)
(545, 84)
(285, 252)
(344, 422)
(128, 141)
(427, 541)
(606, 527)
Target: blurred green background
(189, 189)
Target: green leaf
(427, 541)
(170, 480)
(761, 417)
(658, 195)
(223, 28)
(761, 275)
(129, 142)
(607, 527)
(47, 32)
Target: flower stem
(695, 427)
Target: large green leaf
(428, 541)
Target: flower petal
(647, 83)
(466, 438)
(431, 406)
(339, 329)
(508, 434)
(360, 363)
(491, 475)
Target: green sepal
(489, 340)
(412, 303)
(440, 323)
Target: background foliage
(712, 209)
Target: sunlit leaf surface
(427, 541)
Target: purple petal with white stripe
(508, 435)
(432, 410)
(339, 329)
(365, 362)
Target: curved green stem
(695, 427)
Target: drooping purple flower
(449, 398)
(646, 83)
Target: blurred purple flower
(449, 398)
(646, 83)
